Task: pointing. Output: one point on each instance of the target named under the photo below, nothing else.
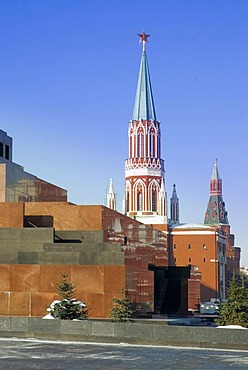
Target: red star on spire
(143, 37)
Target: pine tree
(121, 311)
(68, 308)
(235, 310)
(66, 289)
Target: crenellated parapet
(153, 163)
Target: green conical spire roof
(144, 105)
(215, 174)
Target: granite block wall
(27, 290)
(149, 333)
(84, 236)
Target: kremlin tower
(111, 198)
(174, 206)
(216, 213)
(145, 194)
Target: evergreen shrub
(235, 310)
(121, 311)
(68, 308)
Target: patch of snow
(81, 305)
(191, 226)
(231, 327)
(49, 317)
(52, 305)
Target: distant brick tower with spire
(216, 213)
(174, 206)
(145, 194)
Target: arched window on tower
(158, 146)
(152, 145)
(127, 203)
(139, 202)
(154, 204)
(131, 146)
(140, 144)
(153, 191)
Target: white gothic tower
(111, 199)
(145, 194)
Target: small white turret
(111, 199)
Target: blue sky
(68, 75)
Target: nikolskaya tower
(145, 194)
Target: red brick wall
(144, 245)
(233, 260)
(194, 289)
(200, 257)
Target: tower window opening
(1, 149)
(204, 247)
(6, 151)
(153, 201)
(189, 259)
(140, 145)
(139, 202)
(127, 203)
(131, 146)
(158, 146)
(189, 246)
(152, 146)
(174, 246)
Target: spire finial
(144, 104)
(143, 38)
(215, 175)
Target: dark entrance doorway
(170, 289)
